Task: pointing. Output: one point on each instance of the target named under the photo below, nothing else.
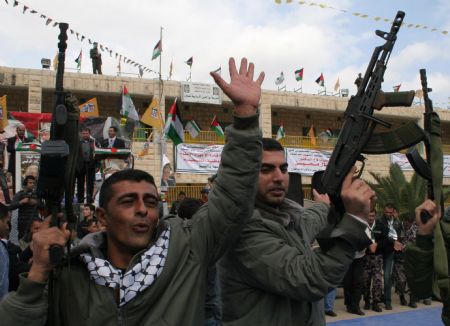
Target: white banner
(197, 158)
(306, 161)
(403, 162)
(200, 93)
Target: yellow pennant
(89, 108)
(3, 113)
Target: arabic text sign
(306, 161)
(200, 93)
(403, 162)
(195, 158)
(23, 161)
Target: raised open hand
(242, 90)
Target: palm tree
(404, 195)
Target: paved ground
(342, 314)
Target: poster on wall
(403, 162)
(306, 161)
(27, 163)
(198, 158)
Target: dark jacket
(273, 277)
(11, 148)
(118, 143)
(177, 296)
(26, 211)
(381, 233)
(16, 265)
(80, 160)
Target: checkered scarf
(136, 279)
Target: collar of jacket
(281, 214)
(95, 243)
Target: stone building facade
(32, 90)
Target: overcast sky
(277, 37)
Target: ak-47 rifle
(59, 154)
(431, 169)
(357, 134)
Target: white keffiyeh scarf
(135, 280)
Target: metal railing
(210, 137)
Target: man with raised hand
(272, 276)
(142, 270)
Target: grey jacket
(272, 276)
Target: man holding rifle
(145, 271)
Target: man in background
(96, 60)
(113, 141)
(85, 170)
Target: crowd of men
(244, 257)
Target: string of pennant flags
(51, 22)
(365, 16)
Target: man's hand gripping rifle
(431, 169)
(59, 154)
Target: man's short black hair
(106, 191)
(113, 128)
(188, 207)
(91, 207)
(3, 211)
(28, 177)
(85, 129)
(272, 145)
(390, 205)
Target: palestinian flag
(190, 61)
(78, 60)
(320, 80)
(193, 128)
(128, 110)
(157, 50)
(299, 75)
(215, 126)
(280, 133)
(174, 126)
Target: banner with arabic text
(306, 161)
(198, 158)
(402, 161)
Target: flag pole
(160, 56)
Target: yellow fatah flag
(152, 116)
(89, 108)
(3, 113)
(312, 135)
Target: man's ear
(101, 216)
